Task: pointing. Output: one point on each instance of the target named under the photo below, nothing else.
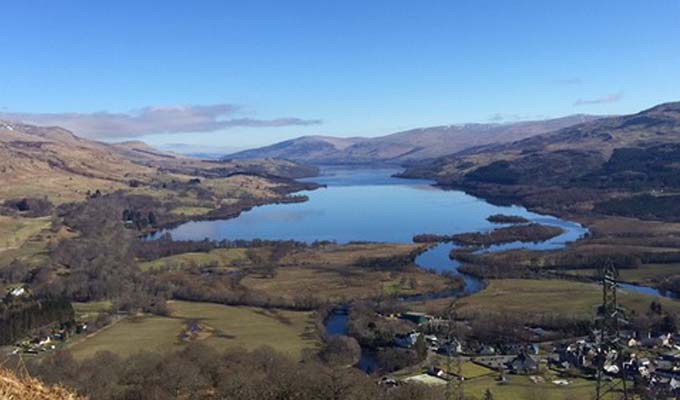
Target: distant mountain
(618, 144)
(309, 149)
(408, 146)
(139, 151)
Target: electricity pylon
(609, 321)
(451, 334)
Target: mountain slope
(311, 149)
(588, 146)
(407, 146)
(53, 162)
(424, 143)
(59, 162)
(583, 166)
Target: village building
(415, 317)
(407, 340)
(523, 364)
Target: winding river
(371, 205)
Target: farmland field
(544, 296)
(222, 327)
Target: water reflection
(368, 205)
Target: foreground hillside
(407, 146)
(13, 387)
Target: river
(371, 205)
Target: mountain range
(407, 146)
(626, 166)
(620, 147)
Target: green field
(523, 297)
(191, 211)
(548, 296)
(470, 370)
(23, 238)
(224, 258)
(90, 311)
(223, 327)
(646, 274)
(15, 231)
(521, 387)
(478, 379)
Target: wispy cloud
(610, 98)
(154, 120)
(500, 117)
(497, 117)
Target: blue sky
(255, 72)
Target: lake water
(368, 205)
(371, 205)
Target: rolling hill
(408, 146)
(568, 153)
(51, 161)
(591, 163)
(309, 149)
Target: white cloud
(610, 98)
(154, 120)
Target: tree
(668, 324)
(341, 351)
(421, 347)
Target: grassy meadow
(547, 296)
(223, 327)
(224, 258)
(552, 296)
(26, 239)
(15, 231)
(331, 273)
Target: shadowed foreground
(13, 387)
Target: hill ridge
(405, 146)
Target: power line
(609, 321)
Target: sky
(238, 74)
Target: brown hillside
(408, 146)
(566, 154)
(13, 387)
(53, 162)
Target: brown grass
(330, 273)
(13, 387)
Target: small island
(517, 233)
(507, 219)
